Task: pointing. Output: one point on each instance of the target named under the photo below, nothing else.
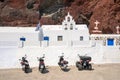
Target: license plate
(23, 66)
(42, 66)
(84, 64)
(65, 65)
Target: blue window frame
(110, 42)
(46, 38)
(60, 38)
(22, 39)
(81, 38)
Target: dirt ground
(99, 72)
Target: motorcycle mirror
(43, 55)
(85, 55)
(38, 58)
(25, 55)
(62, 54)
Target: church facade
(72, 34)
(52, 40)
(69, 33)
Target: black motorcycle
(25, 64)
(63, 63)
(84, 63)
(42, 67)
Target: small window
(65, 28)
(81, 38)
(71, 26)
(68, 19)
(60, 38)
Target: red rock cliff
(29, 12)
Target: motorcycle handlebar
(84, 55)
(40, 57)
(20, 60)
(25, 56)
(60, 56)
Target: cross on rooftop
(96, 24)
(68, 13)
(118, 29)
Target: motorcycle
(84, 63)
(25, 64)
(42, 67)
(63, 63)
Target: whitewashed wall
(10, 52)
(15, 36)
(11, 38)
(9, 57)
(68, 35)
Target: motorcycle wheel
(42, 70)
(26, 71)
(76, 64)
(65, 67)
(80, 67)
(90, 67)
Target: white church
(67, 34)
(52, 40)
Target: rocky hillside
(30, 12)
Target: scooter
(84, 63)
(63, 63)
(42, 67)
(25, 64)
